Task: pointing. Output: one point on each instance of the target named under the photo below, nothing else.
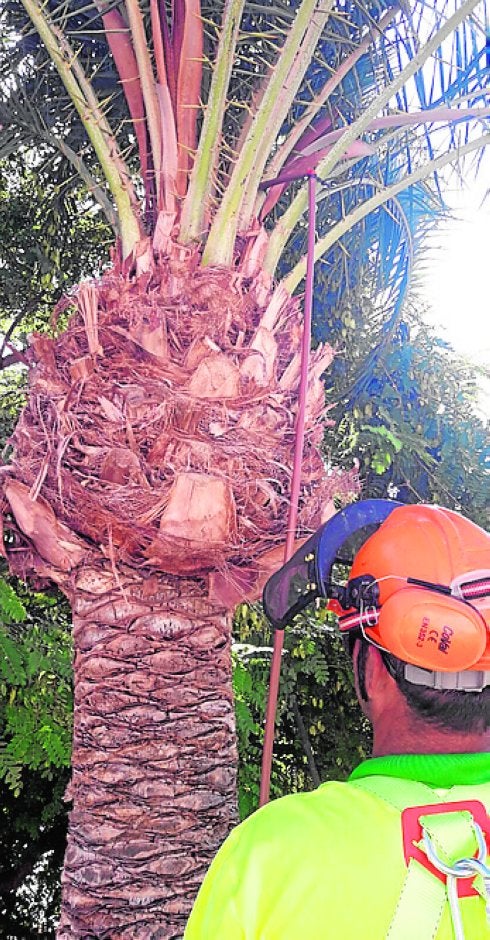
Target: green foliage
(35, 746)
(48, 240)
(35, 691)
(320, 731)
(32, 844)
(11, 606)
(408, 412)
(250, 700)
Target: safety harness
(446, 847)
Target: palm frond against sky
(455, 73)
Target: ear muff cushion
(430, 630)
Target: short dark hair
(449, 710)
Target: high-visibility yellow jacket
(330, 865)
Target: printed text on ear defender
(432, 636)
(423, 631)
(445, 642)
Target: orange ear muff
(430, 630)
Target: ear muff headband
(430, 630)
(307, 573)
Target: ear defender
(431, 567)
(419, 587)
(428, 629)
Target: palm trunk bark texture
(154, 755)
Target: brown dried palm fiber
(113, 421)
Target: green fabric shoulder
(316, 865)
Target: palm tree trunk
(154, 754)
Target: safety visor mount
(362, 596)
(307, 574)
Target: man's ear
(370, 675)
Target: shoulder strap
(398, 792)
(427, 888)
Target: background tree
(139, 481)
(411, 413)
(49, 240)
(35, 725)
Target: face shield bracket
(307, 575)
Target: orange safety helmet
(421, 589)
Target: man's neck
(419, 738)
(398, 729)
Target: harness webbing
(424, 896)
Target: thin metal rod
(270, 717)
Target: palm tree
(150, 470)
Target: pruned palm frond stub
(161, 421)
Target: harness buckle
(413, 834)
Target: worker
(401, 850)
